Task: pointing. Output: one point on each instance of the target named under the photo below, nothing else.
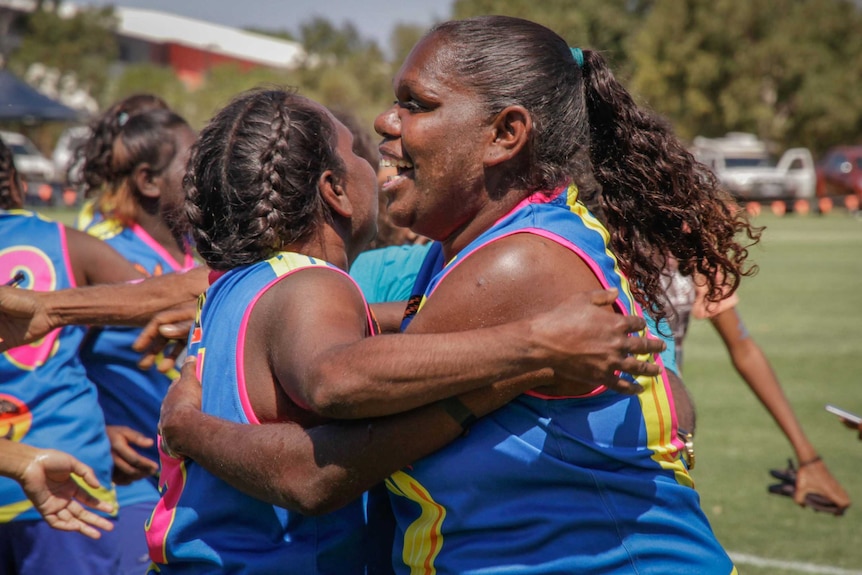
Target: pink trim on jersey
(537, 198)
(161, 251)
(67, 258)
(580, 253)
(242, 388)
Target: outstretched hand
(23, 317)
(184, 395)
(49, 483)
(590, 342)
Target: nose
(387, 124)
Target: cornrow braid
(251, 186)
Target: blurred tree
(787, 70)
(321, 37)
(402, 40)
(81, 46)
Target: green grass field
(801, 308)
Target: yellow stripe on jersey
(423, 538)
(285, 262)
(655, 403)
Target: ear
(332, 192)
(511, 129)
(145, 181)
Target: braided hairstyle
(145, 138)
(10, 182)
(655, 199)
(94, 154)
(251, 185)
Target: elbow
(333, 394)
(314, 498)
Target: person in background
(136, 213)
(46, 400)
(686, 297)
(94, 155)
(49, 479)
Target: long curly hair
(655, 199)
(251, 184)
(8, 178)
(95, 153)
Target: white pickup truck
(747, 169)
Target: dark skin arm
(25, 316)
(751, 363)
(389, 315)
(320, 469)
(327, 371)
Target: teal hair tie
(578, 55)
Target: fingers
(86, 473)
(146, 339)
(645, 345)
(77, 518)
(179, 331)
(169, 360)
(626, 386)
(127, 461)
(603, 297)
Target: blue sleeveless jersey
(46, 399)
(588, 484)
(202, 524)
(128, 395)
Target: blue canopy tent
(19, 102)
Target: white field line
(755, 561)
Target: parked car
(64, 153)
(746, 168)
(839, 174)
(28, 159)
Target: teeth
(392, 163)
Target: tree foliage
(603, 25)
(787, 70)
(82, 45)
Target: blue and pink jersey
(588, 484)
(128, 395)
(46, 399)
(203, 525)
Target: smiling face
(435, 135)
